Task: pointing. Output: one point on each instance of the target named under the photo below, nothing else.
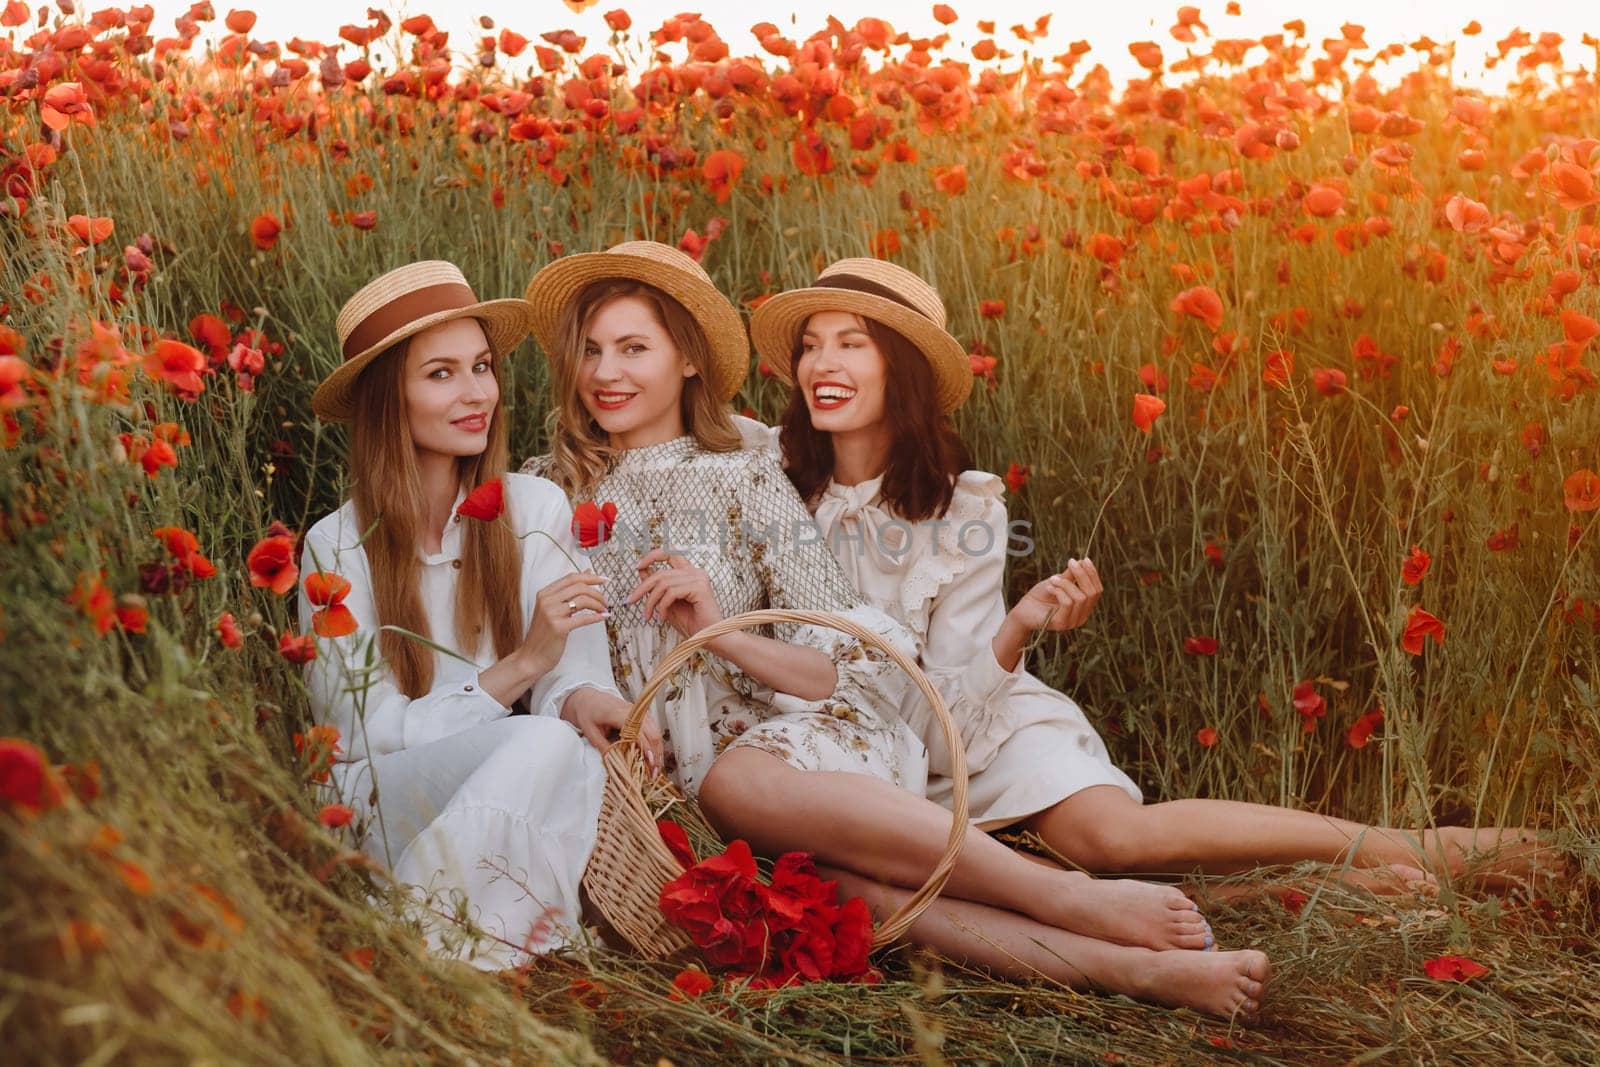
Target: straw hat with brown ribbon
(657, 265)
(401, 304)
(876, 290)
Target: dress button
(456, 563)
(468, 688)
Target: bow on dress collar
(861, 531)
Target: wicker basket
(631, 863)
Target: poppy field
(1295, 336)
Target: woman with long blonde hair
(792, 739)
(434, 625)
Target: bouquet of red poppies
(791, 928)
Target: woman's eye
(590, 353)
(440, 375)
(481, 366)
(633, 349)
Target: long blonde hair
(387, 492)
(580, 453)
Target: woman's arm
(682, 595)
(352, 689)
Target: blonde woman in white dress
(868, 442)
(494, 812)
(792, 740)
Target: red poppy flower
(1453, 969)
(1363, 728)
(1415, 567)
(677, 842)
(334, 816)
(177, 364)
(486, 502)
(228, 631)
(27, 782)
(326, 592)
(1200, 302)
(1309, 703)
(184, 547)
(1278, 369)
(297, 648)
(1017, 477)
(1206, 736)
(90, 230)
(944, 14)
(1582, 490)
(592, 523)
(264, 230)
(1200, 646)
(91, 597)
(690, 983)
(1328, 381)
(1146, 409)
(1322, 201)
(721, 171)
(951, 180)
(1420, 625)
(991, 309)
(272, 564)
(132, 615)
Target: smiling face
(450, 389)
(841, 373)
(631, 374)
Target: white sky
(1108, 25)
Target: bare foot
(1230, 985)
(1389, 880)
(1128, 912)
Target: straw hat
(400, 304)
(663, 267)
(876, 290)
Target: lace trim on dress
(935, 570)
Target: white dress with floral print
(736, 516)
(1028, 746)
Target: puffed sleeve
(757, 434)
(794, 565)
(962, 599)
(352, 689)
(549, 555)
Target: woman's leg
(1227, 984)
(1104, 829)
(885, 833)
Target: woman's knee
(1100, 836)
(739, 782)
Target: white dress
(736, 516)
(1028, 746)
(452, 792)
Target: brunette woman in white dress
(432, 627)
(793, 739)
(868, 442)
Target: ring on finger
(572, 607)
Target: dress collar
(450, 543)
(654, 457)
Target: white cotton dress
(1028, 746)
(736, 516)
(453, 792)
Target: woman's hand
(681, 595)
(1062, 601)
(560, 608)
(600, 715)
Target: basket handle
(897, 924)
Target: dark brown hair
(927, 454)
